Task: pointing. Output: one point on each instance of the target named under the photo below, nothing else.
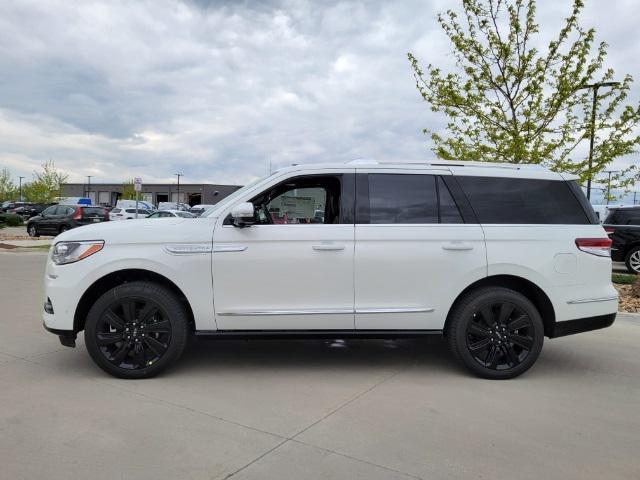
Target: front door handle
(457, 246)
(328, 246)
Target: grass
(623, 278)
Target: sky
(221, 91)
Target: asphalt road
(311, 409)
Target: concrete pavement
(311, 409)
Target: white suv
(494, 257)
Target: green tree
(509, 102)
(128, 190)
(46, 185)
(8, 190)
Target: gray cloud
(217, 90)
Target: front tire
(32, 230)
(136, 330)
(495, 332)
(632, 260)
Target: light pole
(609, 183)
(20, 182)
(178, 175)
(89, 185)
(595, 87)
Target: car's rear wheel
(632, 260)
(136, 330)
(63, 228)
(32, 230)
(495, 332)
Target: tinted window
(449, 212)
(93, 211)
(50, 210)
(621, 216)
(399, 198)
(522, 201)
(65, 210)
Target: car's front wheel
(32, 230)
(632, 260)
(136, 330)
(495, 332)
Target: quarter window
(522, 201)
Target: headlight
(69, 252)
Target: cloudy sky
(218, 90)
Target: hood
(151, 231)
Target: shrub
(10, 220)
(623, 278)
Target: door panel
(416, 270)
(271, 277)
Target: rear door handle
(457, 246)
(328, 246)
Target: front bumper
(67, 337)
(570, 327)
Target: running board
(311, 334)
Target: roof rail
(452, 163)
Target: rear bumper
(579, 325)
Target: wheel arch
(521, 285)
(120, 277)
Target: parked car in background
(198, 210)
(128, 213)
(86, 201)
(171, 214)
(9, 206)
(132, 204)
(173, 206)
(623, 226)
(401, 250)
(32, 210)
(60, 218)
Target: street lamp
(595, 87)
(89, 185)
(178, 175)
(20, 182)
(609, 182)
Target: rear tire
(32, 230)
(136, 330)
(63, 228)
(632, 260)
(495, 332)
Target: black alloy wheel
(133, 333)
(495, 332)
(32, 230)
(136, 330)
(500, 336)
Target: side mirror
(243, 214)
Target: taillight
(77, 215)
(595, 246)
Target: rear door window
(502, 200)
(402, 198)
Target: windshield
(213, 211)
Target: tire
(632, 260)
(495, 332)
(136, 330)
(32, 230)
(63, 228)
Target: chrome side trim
(229, 248)
(318, 311)
(394, 310)
(591, 300)
(188, 248)
(322, 311)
